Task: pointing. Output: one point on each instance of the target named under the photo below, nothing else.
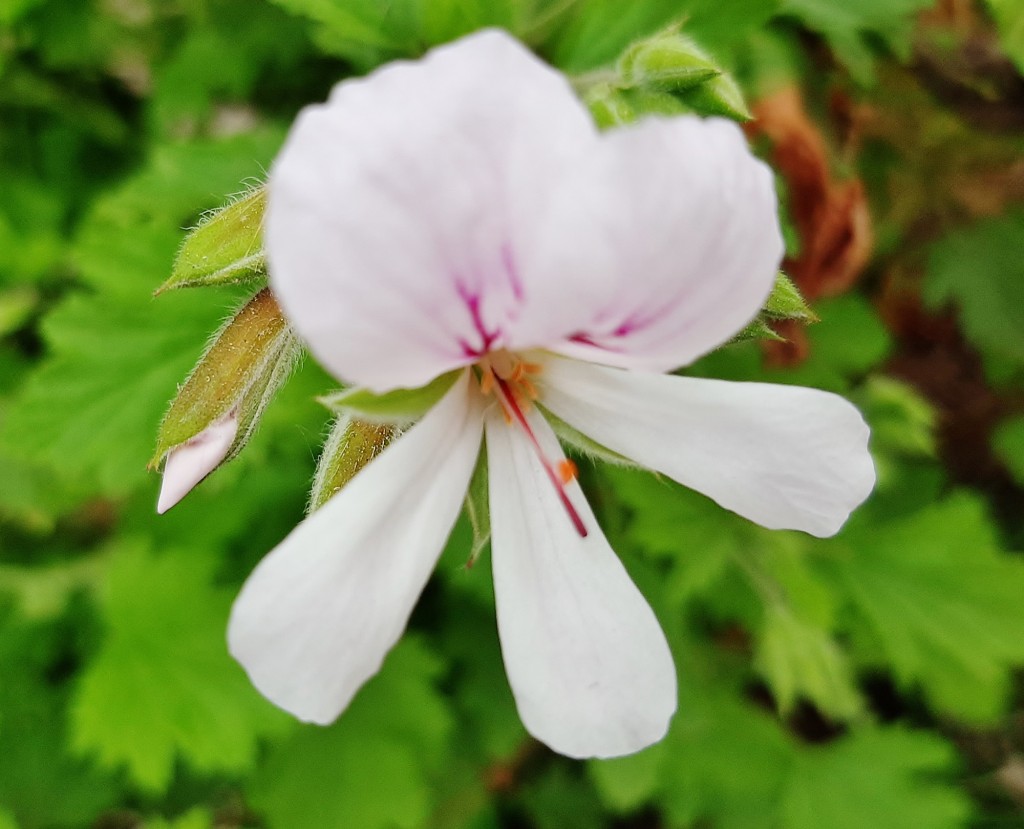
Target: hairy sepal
(784, 303)
(583, 445)
(245, 364)
(225, 247)
(351, 445)
(394, 407)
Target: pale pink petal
(318, 615)
(786, 457)
(588, 663)
(413, 219)
(692, 234)
(188, 464)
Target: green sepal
(225, 247)
(478, 508)
(398, 406)
(581, 443)
(720, 95)
(787, 303)
(247, 361)
(669, 62)
(609, 106)
(351, 445)
(784, 303)
(757, 330)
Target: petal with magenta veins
(691, 233)
(786, 457)
(316, 618)
(416, 218)
(588, 663)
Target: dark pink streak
(512, 406)
(487, 338)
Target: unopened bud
(219, 406)
(669, 61)
(351, 445)
(226, 246)
(719, 96)
(608, 106)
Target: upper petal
(786, 457)
(404, 214)
(316, 618)
(588, 663)
(691, 233)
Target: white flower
(462, 212)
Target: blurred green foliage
(860, 682)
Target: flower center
(508, 377)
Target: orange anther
(532, 368)
(487, 381)
(517, 373)
(528, 388)
(567, 471)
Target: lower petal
(588, 663)
(786, 457)
(316, 618)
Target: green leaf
(1008, 442)
(398, 406)
(628, 783)
(981, 270)
(657, 509)
(875, 779)
(41, 784)
(800, 660)
(225, 247)
(351, 445)
(42, 593)
(938, 601)
(367, 32)
(560, 798)
(728, 763)
(902, 421)
(373, 769)
(162, 686)
(16, 306)
(848, 27)
(1009, 16)
(197, 818)
(91, 409)
(115, 356)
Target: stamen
(487, 381)
(567, 470)
(556, 472)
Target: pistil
(560, 473)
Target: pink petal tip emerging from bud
(189, 463)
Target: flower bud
(669, 62)
(608, 106)
(226, 246)
(719, 96)
(218, 407)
